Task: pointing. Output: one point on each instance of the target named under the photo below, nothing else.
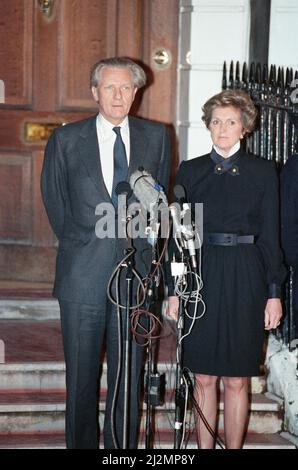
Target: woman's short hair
(236, 98)
(139, 76)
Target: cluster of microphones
(150, 194)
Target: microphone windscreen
(179, 192)
(123, 188)
(146, 190)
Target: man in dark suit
(83, 163)
(289, 224)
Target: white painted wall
(211, 31)
(283, 46)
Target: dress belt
(228, 239)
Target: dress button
(235, 170)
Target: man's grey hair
(138, 74)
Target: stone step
(30, 341)
(37, 440)
(51, 375)
(32, 376)
(19, 399)
(163, 440)
(29, 309)
(44, 412)
(23, 290)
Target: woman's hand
(173, 307)
(273, 314)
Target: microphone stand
(149, 372)
(124, 189)
(153, 384)
(127, 340)
(152, 390)
(189, 262)
(180, 390)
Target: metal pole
(148, 386)
(127, 358)
(127, 342)
(179, 392)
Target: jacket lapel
(139, 146)
(89, 152)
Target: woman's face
(226, 128)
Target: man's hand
(273, 314)
(173, 307)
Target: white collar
(233, 150)
(108, 126)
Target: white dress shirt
(106, 140)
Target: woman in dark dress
(241, 265)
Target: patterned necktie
(120, 163)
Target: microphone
(180, 194)
(123, 188)
(149, 193)
(185, 229)
(123, 192)
(146, 189)
(186, 232)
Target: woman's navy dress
(242, 199)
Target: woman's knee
(235, 383)
(206, 380)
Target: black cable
(119, 267)
(216, 438)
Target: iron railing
(274, 93)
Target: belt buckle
(230, 239)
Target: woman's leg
(235, 410)
(206, 397)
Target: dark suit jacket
(72, 186)
(289, 218)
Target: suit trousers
(84, 329)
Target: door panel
(15, 197)
(45, 64)
(161, 31)
(83, 35)
(16, 32)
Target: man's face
(114, 93)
